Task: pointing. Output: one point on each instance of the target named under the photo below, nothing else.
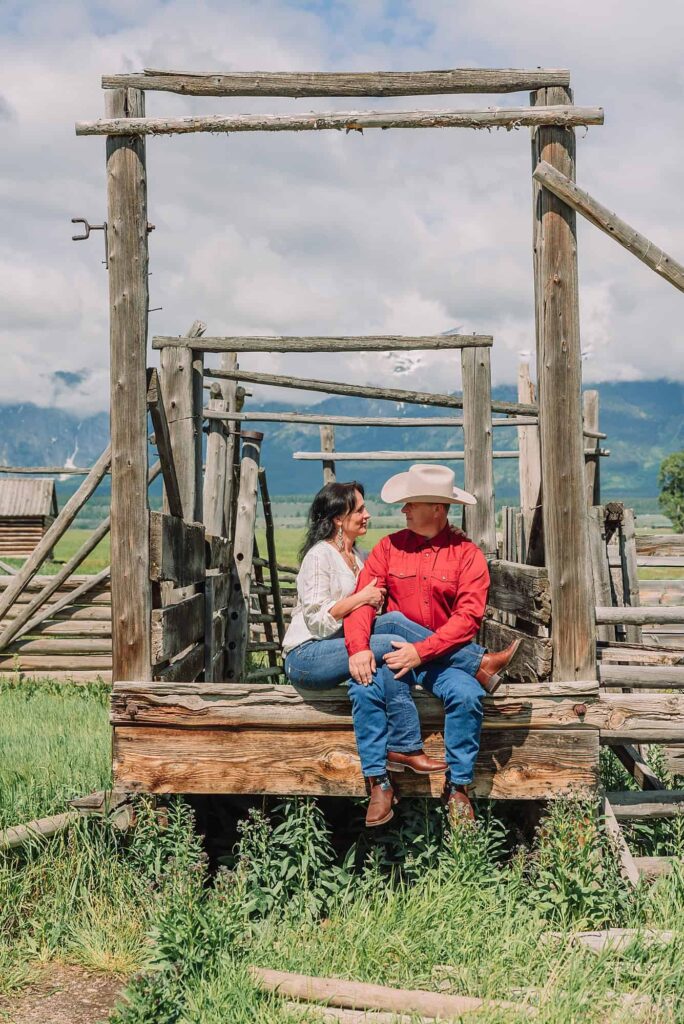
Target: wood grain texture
(603, 590)
(478, 469)
(361, 391)
(534, 660)
(346, 121)
(628, 867)
(341, 83)
(630, 806)
(592, 464)
(327, 434)
(176, 627)
(529, 472)
(521, 589)
(215, 466)
(642, 677)
(177, 550)
(630, 575)
(129, 301)
(396, 456)
(564, 188)
(638, 717)
(560, 419)
(237, 631)
(626, 654)
(155, 405)
(659, 544)
(187, 666)
(272, 555)
(641, 615)
(218, 553)
(341, 343)
(512, 764)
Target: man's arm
(359, 623)
(469, 608)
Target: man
(437, 578)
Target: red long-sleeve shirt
(441, 583)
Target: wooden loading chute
(185, 581)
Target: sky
(401, 232)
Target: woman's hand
(373, 595)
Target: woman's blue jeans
(384, 714)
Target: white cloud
(300, 233)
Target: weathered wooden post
(328, 445)
(559, 369)
(477, 436)
(529, 468)
(213, 498)
(237, 628)
(230, 397)
(182, 387)
(592, 469)
(129, 301)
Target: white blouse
(324, 578)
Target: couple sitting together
(405, 614)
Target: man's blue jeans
(384, 714)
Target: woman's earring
(339, 539)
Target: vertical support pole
(559, 369)
(128, 303)
(213, 497)
(630, 575)
(592, 468)
(178, 377)
(230, 387)
(477, 435)
(328, 445)
(529, 468)
(603, 596)
(237, 631)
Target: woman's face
(355, 524)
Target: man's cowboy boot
(492, 666)
(418, 762)
(458, 805)
(381, 800)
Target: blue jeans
(384, 714)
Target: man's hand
(362, 666)
(403, 659)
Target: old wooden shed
(27, 508)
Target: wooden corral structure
(187, 716)
(27, 508)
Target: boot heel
(393, 767)
(493, 683)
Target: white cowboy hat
(426, 482)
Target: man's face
(424, 518)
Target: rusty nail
(580, 709)
(131, 708)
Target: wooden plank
(360, 421)
(17, 583)
(529, 470)
(396, 456)
(603, 591)
(638, 717)
(628, 868)
(237, 632)
(272, 555)
(521, 589)
(630, 758)
(128, 304)
(9, 569)
(512, 764)
(559, 366)
(654, 677)
(361, 391)
(327, 432)
(61, 645)
(342, 343)
(577, 199)
(178, 372)
(590, 420)
(176, 627)
(46, 663)
(630, 576)
(47, 470)
(155, 406)
(669, 593)
(660, 544)
(187, 666)
(630, 806)
(177, 550)
(346, 121)
(284, 707)
(232, 446)
(650, 562)
(534, 660)
(624, 654)
(654, 867)
(478, 469)
(218, 553)
(641, 615)
(341, 83)
(36, 831)
(215, 469)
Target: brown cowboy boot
(492, 666)
(458, 806)
(382, 799)
(418, 762)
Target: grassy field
(410, 905)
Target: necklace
(350, 559)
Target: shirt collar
(440, 539)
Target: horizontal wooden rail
(408, 456)
(47, 470)
(343, 343)
(644, 250)
(630, 806)
(638, 616)
(360, 421)
(341, 83)
(347, 121)
(652, 562)
(651, 677)
(361, 390)
(638, 717)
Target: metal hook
(88, 228)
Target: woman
(384, 714)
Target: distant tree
(671, 483)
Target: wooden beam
(346, 121)
(522, 590)
(476, 382)
(272, 555)
(338, 343)
(179, 372)
(630, 575)
(9, 569)
(18, 583)
(559, 366)
(177, 550)
(360, 391)
(155, 406)
(630, 806)
(641, 615)
(215, 469)
(327, 433)
(529, 471)
(602, 585)
(341, 83)
(660, 544)
(628, 868)
(186, 667)
(396, 456)
(176, 627)
(128, 302)
(359, 421)
(630, 758)
(243, 546)
(46, 470)
(643, 677)
(36, 831)
(534, 660)
(590, 421)
(561, 185)
(638, 717)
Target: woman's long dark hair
(331, 502)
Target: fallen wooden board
(616, 939)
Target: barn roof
(27, 497)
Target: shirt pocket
(445, 581)
(402, 584)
